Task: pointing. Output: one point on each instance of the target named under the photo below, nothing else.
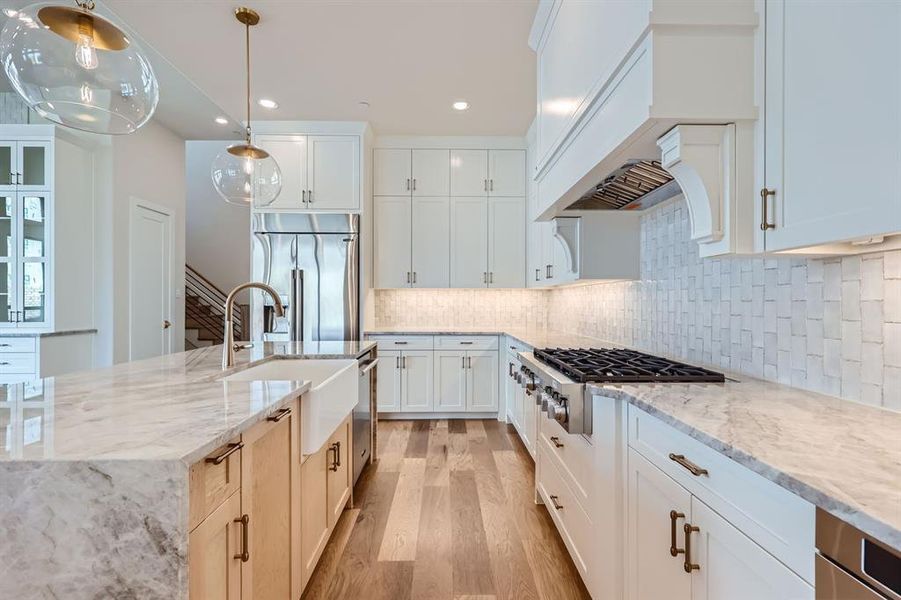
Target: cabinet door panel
(481, 381)
(653, 572)
(33, 166)
(506, 242)
(392, 247)
(9, 236)
(450, 380)
(469, 242)
(8, 167)
(314, 509)
(34, 252)
(431, 172)
(214, 572)
(469, 173)
(416, 377)
(389, 385)
(266, 498)
(733, 567)
(339, 472)
(507, 173)
(431, 242)
(391, 174)
(821, 136)
(290, 152)
(333, 168)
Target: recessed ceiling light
(267, 103)
(222, 120)
(363, 104)
(461, 105)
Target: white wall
(217, 233)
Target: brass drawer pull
(279, 415)
(557, 506)
(693, 468)
(232, 448)
(245, 525)
(688, 565)
(336, 448)
(556, 441)
(673, 517)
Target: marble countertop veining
(173, 407)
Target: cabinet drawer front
(573, 524)
(17, 363)
(465, 342)
(781, 522)
(514, 346)
(211, 483)
(573, 455)
(403, 342)
(11, 344)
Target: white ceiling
(410, 59)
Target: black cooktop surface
(596, 365)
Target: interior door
(821, 136)
(506, 242)
(450, 380)
(290, 152)
(416, 377)
(8, 166)
(388, 384)
(469, 242)
(431, 172)
(330, 265)
(33, 165)
(481, 381)
(469, 173)
(431, 242)
(333, 171)
(392, 226)
(391, 172)
(507, 173)
(149, 282)
(8, 246)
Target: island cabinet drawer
(776, 519)
(403, 342)
(212, 480)
(573, 455)
(17, 363)
(466, 342)
(12, 344)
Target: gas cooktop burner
(627, 366)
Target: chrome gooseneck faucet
(230, 347)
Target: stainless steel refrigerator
(322, 251)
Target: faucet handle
(244, 346)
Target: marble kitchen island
(100, 509)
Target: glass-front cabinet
(25, 165)
(24, 254)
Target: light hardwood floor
(447, 513)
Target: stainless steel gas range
(556, 378)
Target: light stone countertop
(46, 334)
(841, 456)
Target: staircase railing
(209, 309)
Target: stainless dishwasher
(363, 414)
(851, 565)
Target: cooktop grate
(598, 365)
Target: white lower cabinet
(481, 381)
(450, 380)
(404, 381)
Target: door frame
(135, 204)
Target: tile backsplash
(828, 324)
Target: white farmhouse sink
(333, 395)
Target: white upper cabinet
(469, 242)
(506, 242)
(431, 242)
(832, 123)
(333, 171)
(290, 152)
(431, 172)
(25, 165)
(507, 173)
(391, 172)
(469, 172)
(392, 218)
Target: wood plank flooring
(447, 513)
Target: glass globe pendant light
(245, 174)
(78, 68)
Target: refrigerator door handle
(296, 306)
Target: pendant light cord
(247, 57)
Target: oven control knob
(558, 411)
(548, 389)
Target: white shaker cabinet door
(391, 175)
(416, 376)
(507, 173)
(388, 386)
(290, 152)
(8, 166)
(653, 572)
(469, 242)
(506, 242)
(392, 243)
(832, 140)
(450, 380)
(732, 567)
(431, 172)
(431, 242)
(481, 381)
(333, 163)
(469, 172)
